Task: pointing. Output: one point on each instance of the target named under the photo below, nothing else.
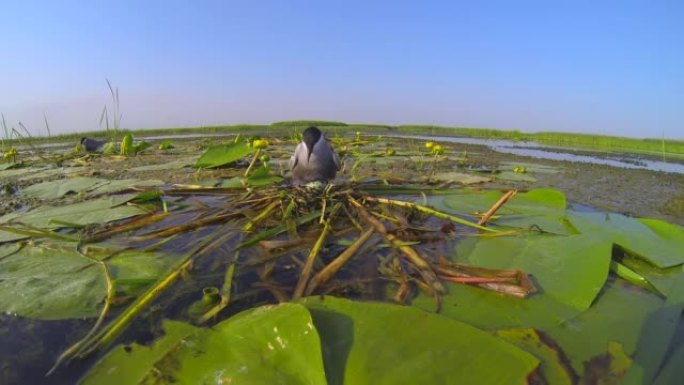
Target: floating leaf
(6, 236)
(515, 176)
(223, 154)
(59, 188)
(262, 177)
(673, 370)
(539, 208)
(54, 281)
(84, 213)
(177, 164)
(44, 173)
(376, 343)
(658, 242)
(570, 269)
(459, 177)
(267, 345)
(553, 361)
(119, 185)
(531, 167)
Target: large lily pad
(459, 177)
(84, 213)
(267, 345)
(658, 242)
(50, 283)
(59, 188)
(223, 154)
(540, 209)
(553, 361)
(176, 164)
(54, 281)
(259, 178)
(44, 173)
(638, 320)
(115, 186)
(569, 269)
(376, 343)
(6, 236)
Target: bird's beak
(309, 151)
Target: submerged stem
(430, 211)
(308, 266)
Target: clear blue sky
(608, 67)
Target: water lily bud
(265, 158)
(260, 143)
(437, 149)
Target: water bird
(313, 159)
(91, 145)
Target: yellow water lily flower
(260, 143)
(437, 149)
(429, 145)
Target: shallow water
(39, 342)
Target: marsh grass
(6, 135)
(113, 129)
(660, 147)
(47, 125)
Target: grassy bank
(668, 148)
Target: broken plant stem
(411, 254)
(497, 206)
(308, 266)
(324, 275)
(111, 331)
(265, 213)
(253, 162)
(428, 210)
(73, 349)
(225, 293)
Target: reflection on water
(536, 150)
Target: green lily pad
(177, 164)
(531, 167)
(537, 201)
(263, 177)
(6, 236)
(460, 177)
(377, 343)
(59, 188)
(115, 186)
(7, 166)
(267, 345)
(570, 269)
(539, 208)
(515, 176)
(553, 364)
(637, 319)
(673, 370)
(84, 213)
(23, 171)
(658, 242)
(223, 154)
(54, 281)
(44, 173)
(259, 178)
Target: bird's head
(311, 136)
